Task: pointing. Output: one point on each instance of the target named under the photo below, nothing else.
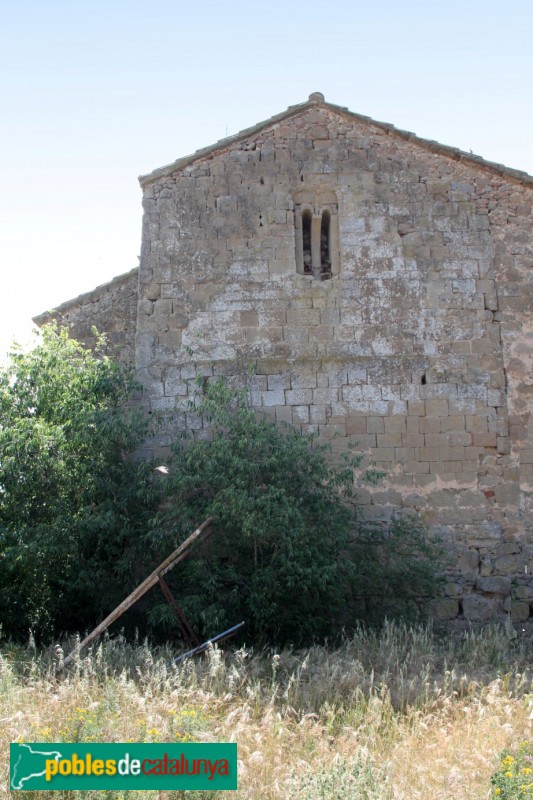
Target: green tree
(72, 505)
(290, 555)
(82, 522)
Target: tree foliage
(71, 503)
(82, 522)
(290, 555)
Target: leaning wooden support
(178, 611)
(178, 555)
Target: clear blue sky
(94, 94)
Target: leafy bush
(71, 504)
(80, 526)
(290, 555)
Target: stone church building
(382, 285)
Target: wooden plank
(173, 559)
(178, 611)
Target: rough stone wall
(419, 348)
(110, 308)
(512, 476)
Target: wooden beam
(178, 555)
(178, 611)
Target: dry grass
(399, 714)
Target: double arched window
(317, 234)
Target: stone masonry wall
(511, 218)
(419, 348)
(111, 309)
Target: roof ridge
(317, 99)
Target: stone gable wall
(110, 308)
(420, 348)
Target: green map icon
(30, 764)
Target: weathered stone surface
(477, 608)
(453, 590)
(494, 585)
(405, 323)
(111, 309)
(523, 592)
(519, 611)
(445, 608)
(469, 563)
(509, 565)
(485, 566)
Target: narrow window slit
(316, 233)
(306, 236)
(325, 248)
